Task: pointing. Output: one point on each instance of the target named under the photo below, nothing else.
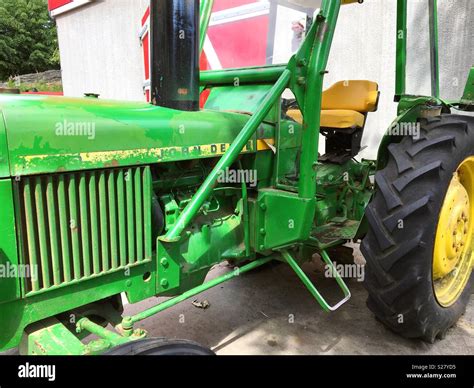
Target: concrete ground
(269, 312)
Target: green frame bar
(401, 51)
(248, 75)
(205, 16)
(310, 286)
(434, 47)
(127, 322)
(318, 58)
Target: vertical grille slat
(94, 224)
(130, 215)
(138, 214)
(53, 230)
(31, 251)
(84, 225)
(112, 220)
(64, 228)
(77, 225)
(42, 239)
(121, 218)
(147, 193)
(74, 227)
(104, 239)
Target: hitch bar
(310, 286)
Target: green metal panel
(57, 134)
(54, 232)
(9, 281)
(17, 314)
(245, 98)
(50, 337)
(281, 219)
(185, 264)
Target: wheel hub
(452, 254)
(453, 224)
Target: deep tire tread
(410, 191)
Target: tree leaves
(28, 38)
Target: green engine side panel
(57, 134)
(9, 281)
(18, 314)
(244, 99)
(281, 219)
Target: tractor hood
(55, 134)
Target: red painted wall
(53, 4)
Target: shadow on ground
(269, 312)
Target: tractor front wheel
(419, 247)
(160, 347)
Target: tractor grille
(80, 225)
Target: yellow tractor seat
(342, 118)
(345, 104)
(359, 95)
(344, 108)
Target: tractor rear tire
(160, 347)
(403, 223)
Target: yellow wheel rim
(453, 249)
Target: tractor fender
(410, 110)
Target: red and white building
(105, 45)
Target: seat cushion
(339, 118)
(359, 95)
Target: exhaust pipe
(175, 54)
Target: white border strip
(240, 13)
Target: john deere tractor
(161, 192)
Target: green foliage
(39, 86)
(28, 38)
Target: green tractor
(157, 194)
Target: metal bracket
(310, 286)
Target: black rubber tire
(160, 347)
(412, 188)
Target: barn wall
(364, 48)
(100, 49)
